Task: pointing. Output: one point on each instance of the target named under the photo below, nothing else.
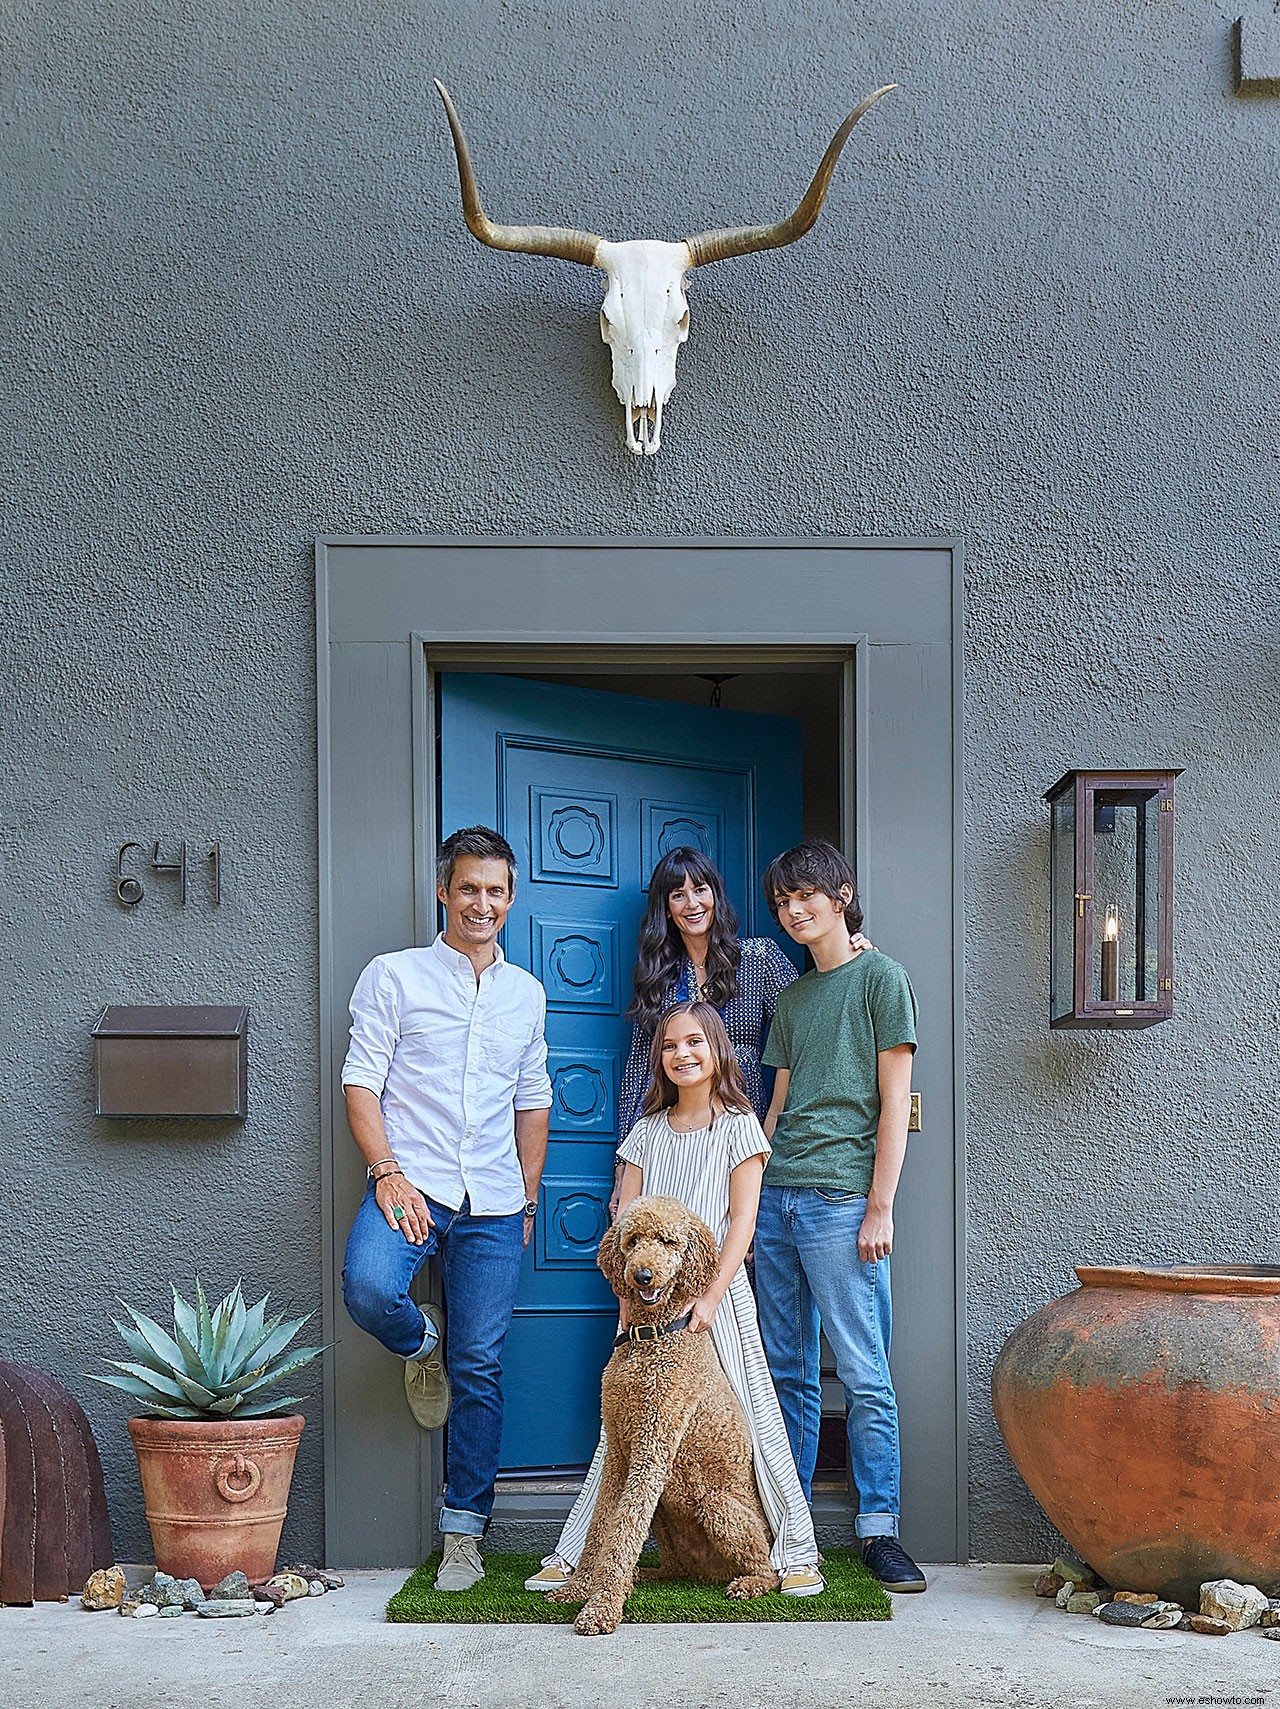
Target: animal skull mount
(644, 318)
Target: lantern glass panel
(1124, 901)
(1062, 883)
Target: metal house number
(129, 889)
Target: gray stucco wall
(242, 311)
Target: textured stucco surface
(1039, 314)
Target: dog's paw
(595, 1621)
(751, 1584)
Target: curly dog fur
(679, 1454)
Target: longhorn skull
(645, 315)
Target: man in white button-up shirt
(448, 1098)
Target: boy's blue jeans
(808, 1268)
(480, 1259)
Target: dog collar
(639, 1332)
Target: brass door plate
(913, 1123)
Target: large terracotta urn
(1143, 1412)
(216, 1492)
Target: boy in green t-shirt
(842, 1041)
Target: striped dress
(695, 1168)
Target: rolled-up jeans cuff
(430, 1338)
(875, 1525)
(456, 1521)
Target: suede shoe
(554, 1571)
(802, 1581)
(460, 1565)
(886, 1559)
(426, 1382)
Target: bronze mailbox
(184, 1060)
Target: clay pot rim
(1254, 1279)
(193, 1430)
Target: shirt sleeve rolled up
(533, 1083)
(375, 1030)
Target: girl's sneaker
(555, 1570)
(802, 1581)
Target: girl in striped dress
(699, 1140)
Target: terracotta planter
(216, 1492)
(1143, 1412)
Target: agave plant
(216, 1364)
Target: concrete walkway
(978, 1636)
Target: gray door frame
(390, 612)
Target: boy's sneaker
(802, 1581)
(426, 1382)
(460, 1565)
(886, 1559)
(555, 1570)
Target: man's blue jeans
(808, 1268)
(480, 1261)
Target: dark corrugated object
(54, 1527)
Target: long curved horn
(721, 245)
(561, 241)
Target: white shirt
(451, 1060)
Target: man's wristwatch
(531, 1207)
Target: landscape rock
(1068, 1567)
(1272, 1632)
(332, 1581)
(269, 1594)
(1162, 1616)
(225, 1608)
(1237, 1605)
(164, 1592)
(1064, 1595)
(1209, 1626)
(1135, 1596)
(1269, 1616)
(145, 1610)
(1122, 1613)
(315, 1588)
(233, 1588)
(192, 1592)
(1083, 1602)
(1048, 1584)
(103, 1589)
(171, 1610)
(293, 1585)
(130, 1606)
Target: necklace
(698, 1127)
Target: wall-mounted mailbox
(171, 1061)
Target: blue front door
(591, 789)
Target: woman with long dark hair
(689, 951)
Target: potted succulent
(214, 1454)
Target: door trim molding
(460, 644)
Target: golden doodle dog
(679, 1455)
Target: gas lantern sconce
(1111, 898)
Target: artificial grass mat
(500, 1598)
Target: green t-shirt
(828, 1029)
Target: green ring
(397, 1212)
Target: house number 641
(129, 888)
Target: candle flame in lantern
(1111, 930)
